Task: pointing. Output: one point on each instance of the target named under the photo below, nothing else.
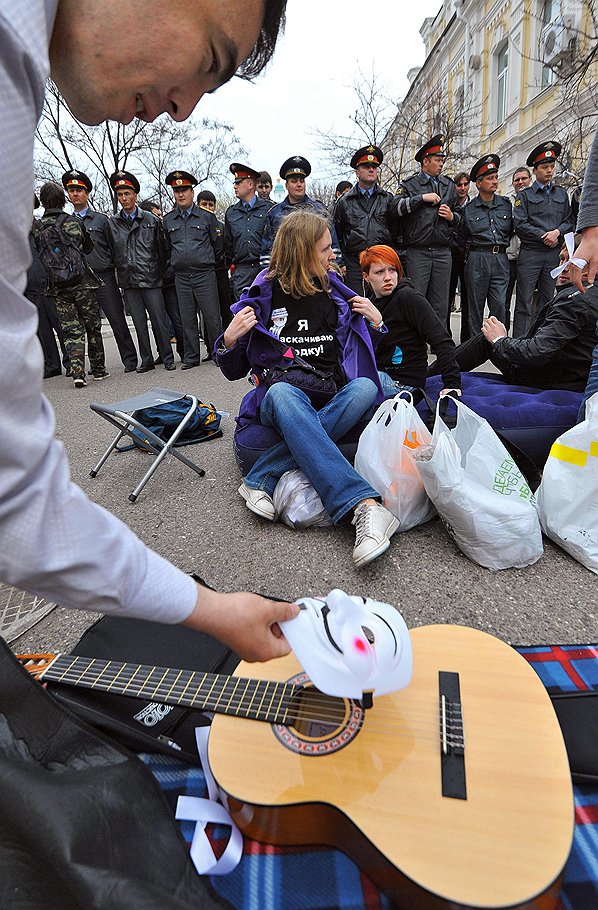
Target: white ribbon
(209, 811)
(580, 263)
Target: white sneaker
(374, 526)
(259, 502)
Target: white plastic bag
(297, 503)
(568, 493)
(385, 459)
(480, 493)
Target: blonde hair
(294, 262)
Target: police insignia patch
(517, 202)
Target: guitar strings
(316, 706)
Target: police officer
(195, 244)
(294, 172)
(486, 229)
(364, 215)
(542, 218)
(140, 257)
(425, 204)
(101, 260)
(244, 224)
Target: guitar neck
(255, 699)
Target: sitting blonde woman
(308, 342)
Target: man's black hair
(272, 25)
(206, 196)
(342, 186)
(264, 178)
(148, 205)
(51, 196)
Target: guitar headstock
(36, 663)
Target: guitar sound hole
(318, 724)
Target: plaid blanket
(318, 878)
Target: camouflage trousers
(79, 314)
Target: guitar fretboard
(252, 698)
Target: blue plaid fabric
(318, 878)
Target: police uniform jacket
(556, 351)
(194, 242)
(487, 225)
(139, 249)
(420, 223)
(361, 221)
(97, 225)
(243, 231)
(537, 211)
(279, 211)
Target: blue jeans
(308, 444)
(591, 387)
(392, 386)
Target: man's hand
(551, 238)
(241, 323)
(492, 329)
(588, 250)
(445, 212)
(431, 198)
(245, 622)
(366, 308)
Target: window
(551, 11)
(501, 84)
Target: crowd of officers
(184, 268)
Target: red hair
(380, 253)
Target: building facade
(502, 76)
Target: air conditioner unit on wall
(558, 42)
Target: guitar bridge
(452, 743)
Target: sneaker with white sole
(79, 382)
(99, 376)
(374, 526)
(259, 502)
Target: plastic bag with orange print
(385, 459)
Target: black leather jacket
(139, 249)
(556, 351)
(420, 223)
(360, 224)
(101, 258)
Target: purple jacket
(259, 350)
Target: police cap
(433, 146)
(124, 180)
(489, 164)
(76, 178)
(297, 166)
(546, 151)
(369, 154)
(179, 179)
(241, 171)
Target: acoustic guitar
(453, 792)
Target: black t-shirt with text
(308, 326)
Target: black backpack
(61, 258)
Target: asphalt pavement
(202, 525)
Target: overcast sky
(308, 84)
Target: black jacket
(194, 242)
(139, 249)
(412, 324)
(420, 223)
(97, 225)
(361, 223)
(556, 352)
